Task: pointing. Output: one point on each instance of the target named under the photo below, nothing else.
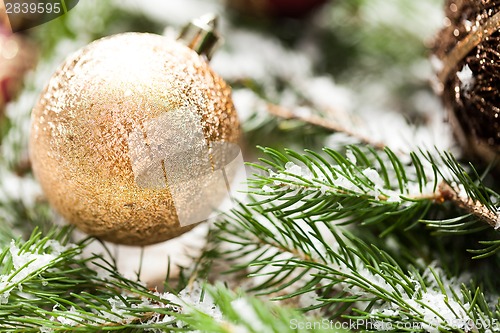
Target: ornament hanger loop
(201, 35)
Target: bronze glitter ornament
(97, 125)
(468, 63)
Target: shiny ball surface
(81, 125)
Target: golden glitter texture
(81, 125)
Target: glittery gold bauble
(83, 124)
(468, 66)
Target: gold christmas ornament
(124, 130)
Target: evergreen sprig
(47, 285)
(242, 313)
(347, 278)
(371, 187)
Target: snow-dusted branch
(284, 113)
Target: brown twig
(318, 121)
(448, 193)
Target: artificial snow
(331, 98)
(374, 176)
(289, 179)
(267, 189)
(4, 292)
(253, 56)
(248, 314)
(192, 297)
(466, 78)
(22, 189)
(66, 319)
(350, 156)
(26, 263)
(365, 274)
(249, 105)
(118, 311)
(437, 308)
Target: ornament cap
(201, 35)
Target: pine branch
(247, 314)
(294, 256)
(46, 286)
(468, 204)
(44, 282)
(20, 219)
(369, 187)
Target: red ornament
(17, 56)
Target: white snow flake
(466, 78)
